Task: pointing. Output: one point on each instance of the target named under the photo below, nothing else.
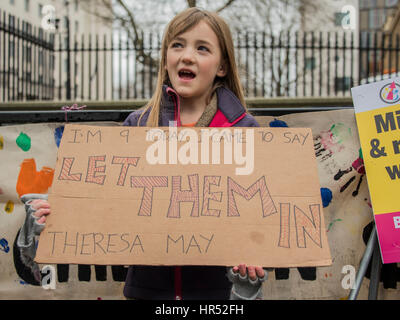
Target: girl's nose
(188, 56)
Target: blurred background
(92, 50)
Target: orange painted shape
(32, 181)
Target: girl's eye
(176, 45)
(203, 48)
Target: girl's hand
(252, 271)
(246, 282)
(42, 208)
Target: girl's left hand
(252, 271)
(42, 209)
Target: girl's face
(193, 61)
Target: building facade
(373, 14)
(331, 62)
(376, 37)
(36, 31)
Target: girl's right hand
(42, 209)
(252, 271)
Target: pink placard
(388, 228)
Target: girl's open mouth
(186, 75)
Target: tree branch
(131, 18)
(227, 4)
(191, 3)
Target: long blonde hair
(181, 23)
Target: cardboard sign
(377, 108)
(185, 196)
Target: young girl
(198, 85)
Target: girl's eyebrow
(178, 39)
(204, 42)
(200, 41)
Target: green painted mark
(340, 131)
(331, 224)
(23, 141)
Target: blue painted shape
(326, 195)
(58, 132)
(4, 245)
(278, 123)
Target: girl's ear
(222, 71)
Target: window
(310, 63)
(52, 62)
(76, 26)
(76, 5)
(66, 43)
(12, 49)
(40, 9)
(66, 22)
(391, 3)
(366, 4)
(40, 58)
(343, 83)
(11, 21)
(26, 5)
(367, 39)
(12, 2)
(66, 66)
(28, 54)
(376, 18)
(342, 19)
(338, 18)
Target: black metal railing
(37, 65)
(26, 60)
